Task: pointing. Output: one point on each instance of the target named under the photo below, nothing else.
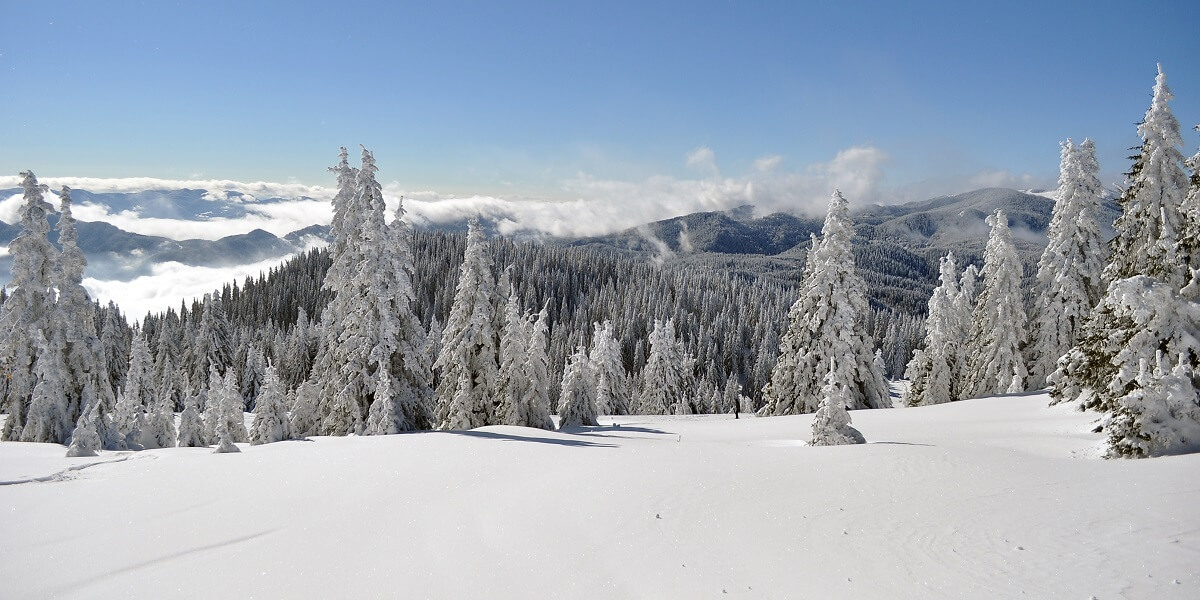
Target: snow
(995, 497)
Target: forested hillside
(730, 321)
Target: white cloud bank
(585, 205)
(169, 284)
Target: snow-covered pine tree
(133, 402)
(964, 309)
(537, 372)
(731, 396)
(210, 396)
(827, 321)
(577, 402)
(932, 370)
(1103, 370)
(170, 382)
(1154, 407)
(270, 411)
(612, 382)
(831, 425)
(513, 386)
(158, 430)
(225, 443)
(1069, 272)
(998, 324)
(29, 305)
(115, 340)
(47, 418)
(411, 362)
(369, 324)
(253, 372)
(468, 355)
(661, 388)
(87, 374)
(303, 418)
(327, 381)
(230, 411)
(213, 344)
(85, 441)
(191, 425)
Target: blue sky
(523, 98)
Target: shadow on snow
(492, 435)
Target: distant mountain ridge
(896, 246)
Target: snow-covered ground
(991, 498)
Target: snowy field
(991, 498)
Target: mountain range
(897, 246)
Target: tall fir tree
(662, 377)
(369, 324)
(270, 411)
(191, 425)
(89, 383)
(468, 353)
(29, 307)
(577, 403)
(513, 385)
(827, 321)
(537, 373)
(612, 381)
(932, 371)
(998, 325)
(1069, 276)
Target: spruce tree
(48, 413)
(87, 375)
(577, 403)
(85, 441)
(230, 408)
(831, 425)
(191, 425)
(612, 381)
(468, 354)
(369, 324)
(1155, 409)
(270, 411)
(827, 321)
(931, 372)
(537, 373)
(1069, 271)
(998, 324)
(513, 385)
(662, 385)
(29, 306)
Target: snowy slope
(999, 497)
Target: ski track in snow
(68, 473)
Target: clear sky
(517, 97)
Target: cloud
(704, 160)
(260, 189)
(766, 164)
(168, 284)
(1004, 179)
(279, 218)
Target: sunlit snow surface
(992, 498)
